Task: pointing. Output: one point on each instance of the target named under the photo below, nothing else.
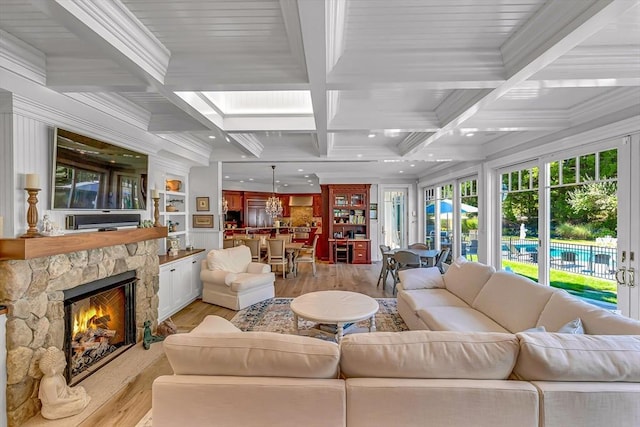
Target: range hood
(301, 201)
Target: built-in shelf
(46, 246)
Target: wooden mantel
(46, 246)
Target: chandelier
(274, 205)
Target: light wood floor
(127, 407)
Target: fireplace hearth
(99, 323)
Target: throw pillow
(421, 278)
(573, 327)
(538, 329)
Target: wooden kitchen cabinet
(235, 200)
(317, 205)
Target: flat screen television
(96, 175)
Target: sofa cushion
(213, 324)
(465, 279)
(568, 357)
(563, 308)
(418, 299)
(234, 260)
(245, 281)
(428, 354)
(513, 301)
(246, 354)
(457, 319)
(421, 278)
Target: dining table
(293, 249)
(427, 256)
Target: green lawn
(576, 284)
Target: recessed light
(243, 157)
(306, 176)
(226, 177)
(286, 185)
(212, 137)
(412, 165)
(311, 185)
(309, 180)
(470, 134)
(250, 179)
(358, 155)
(300, 170)
(277, 181)
(372, 135)
(400, 171)
(227, 139)
(241, 181)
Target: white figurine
(58, 399)
(47, 224)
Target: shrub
(469, 224)
(570, 231)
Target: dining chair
(384, 271)
(276, 255)
(418, 246)
(404, 260)
(254, 246)
(341, 251)
(442, 258)
(308, 255)
(286, 237)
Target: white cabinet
(179, 284)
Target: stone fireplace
(99, 319)
(34, 291)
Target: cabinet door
(182, 283)
(196, 283)
(358, 199)
(165, 292)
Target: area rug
(274, 315)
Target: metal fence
(589, 260)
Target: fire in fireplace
(99, 323)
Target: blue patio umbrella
(446, 207)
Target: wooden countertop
(163, 259)
(268, 228)
(37, 247)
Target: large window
(468, 194)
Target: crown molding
(115, 105)
(115, 24)
(614, 100)
(22, 59)
(249, 143)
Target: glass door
(393, 217)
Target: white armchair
(230, 279)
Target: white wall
(207, 182)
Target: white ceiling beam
(336, 16)
(291, 18)
(246, 123)
(562, 38)
(314, 37)
(111, 22)
(117, 106)
(249, 143)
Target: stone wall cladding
(33, 292)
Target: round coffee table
(335, 308)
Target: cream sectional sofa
(225, 377)
(473, 297)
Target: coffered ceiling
(376, 90)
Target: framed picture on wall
(202, 203)
(373, 211)
(202, 221)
